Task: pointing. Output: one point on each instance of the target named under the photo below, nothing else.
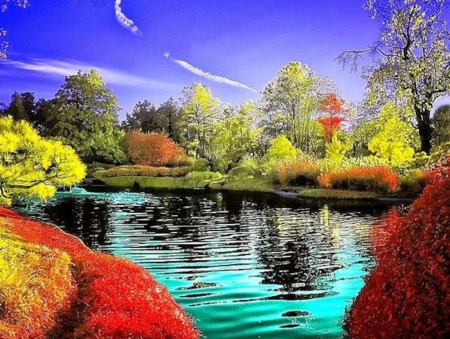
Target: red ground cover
(115, 298)
(408, 293)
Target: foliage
(281, 149)
(291, 102)
(200, 164)
(198, 115)
(32, 167)
(413, 182)
(142, 118)
(105, 306)
(140, 170)
(392, 143)
(412, 57)
(203, 175)
(441, 124)
(152, 149)
(240, 173)
(84, 116)
(408, 293)
(35, 284)
(439, 155)
(336, 149)
(333, 107)
(234, 135)
(376, 179)
(301, 172)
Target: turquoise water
(244, 266)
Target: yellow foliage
(35, 283)
(31, 166)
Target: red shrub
(330, 125)
(152, 149)
(116, 298)
(377, 179)
(408, 293)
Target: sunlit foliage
(31, 166)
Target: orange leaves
(152, 149)
(330, 125)
(377, 179)
(333, 107)
(408, 294)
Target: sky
(148, 49)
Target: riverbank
(247, 185)
(53, 286)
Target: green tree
(22, 106)
(412, 57)
(198, 114)
(32, 167)
(142, 119)
(234, 136)
(291, 102)
(167, 117)
(441, 123)
(84, 116)
(393, 141)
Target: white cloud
(124, 20)
(201, 73)
(110, 76)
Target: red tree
(334, 109)
(152, 149)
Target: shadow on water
(244, 265)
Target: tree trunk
(425, 129)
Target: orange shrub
(302, 172)
(377, 179)
(152, 149)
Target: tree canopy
(412, 57)
(31, 166)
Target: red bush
(330, 125)
(408, 293)
(152, 149)
(377, 179)
(115, 298)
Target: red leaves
(330, 125)
(333, 107)
(116, 298)
(408, 294)
(152, 149)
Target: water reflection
(295, 266)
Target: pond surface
(244, 266)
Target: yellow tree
(31, 166)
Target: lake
(243, 265)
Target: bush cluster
(302, 172)
(376, 179)
(408, 293)
(114, 297)
(139, 170)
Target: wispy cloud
(124, 20)
(201, 73)
(65, 68)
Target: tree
(412, 57)
(333, 108)
(441, 123)
(167, 117)
(152, 149)
(31, 166)
(198, 113)
(291, 103)
(22, 106)
(234, 136)
(84, 116)
(393, 141)
(142, 118)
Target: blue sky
(245, 41)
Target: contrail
(124, 21)
(207, 75)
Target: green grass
(155, 182)
(337, 194)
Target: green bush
(139, 170)
(220, 165)
(240, 173)
(413, 182)
(200, 165)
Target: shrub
(203, 175)
(152, 149)
(413, 182)
(377, 179)
(139, 170)
(200, 165)
(301, 172)
(408, 293)
(240, 173)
